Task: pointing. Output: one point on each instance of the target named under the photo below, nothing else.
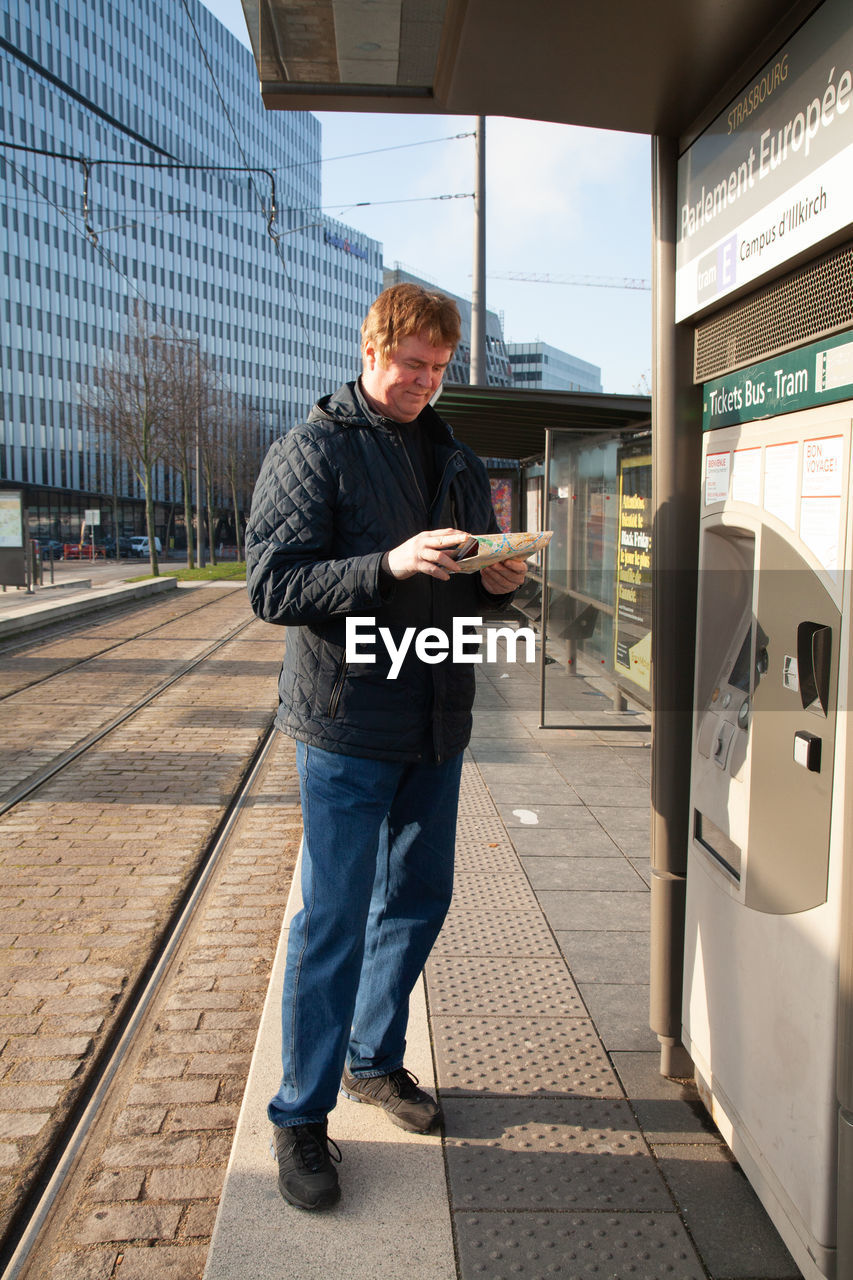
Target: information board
(632, 630)
(773, 175)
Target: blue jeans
(377, 877)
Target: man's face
(402, 383)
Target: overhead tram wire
(596, 282)
(95, 242)
(101, 249)
(374, 151)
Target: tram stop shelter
(739, 101)
(580, 456)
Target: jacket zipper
(417, 487)
(455, 459)
(336, 692)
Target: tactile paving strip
(486, 860)
(576, 1246)
(496, 933)
(476, 828)
(533, 1056)
(502, 987)
(474, 796)
(549, 1153)
(507, 892)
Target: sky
(560, 201)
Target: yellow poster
(632, 632)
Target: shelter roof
(505, 422)
(641, 67)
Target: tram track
(21, 1240)
(105, 852)
(32, 644)
(37, 780)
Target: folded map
(488, 548)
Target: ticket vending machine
(767, 795)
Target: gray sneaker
(306, 1175)
(398, 1095)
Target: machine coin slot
(814, 659)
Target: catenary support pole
(844, 1064)
(199, 515)
(676, 450)
(478, 294)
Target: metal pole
(543, 613)
(479, 375)
(676, 449)
(844, 1064)
(199, 520)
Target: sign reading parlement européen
(773, 175)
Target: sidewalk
(565, 1153)
(78, 587)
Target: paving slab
(615, 874)
(598, 910)
(620, 1012)
(384, 1173)
(614, 956)
(723, 1214)
(554, 1153)
(501, 987)
(525, 1246)
(534, 1056)
(669, 1111)
(519, 809)
(585, 838)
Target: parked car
(50, 549)
(125, 546)
(139, 547)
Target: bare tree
(128, 398)
(242, 456)
(185, 419)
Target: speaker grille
(809, 304)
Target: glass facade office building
(541, 367)
(136, 89)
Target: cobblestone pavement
(96, 861)
(57, 691)
(143, 1202)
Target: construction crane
(598, 282)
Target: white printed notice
(717, 466)
(820, 500)
(746, 476)
(780, 482)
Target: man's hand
(505, 576)
(425, 553)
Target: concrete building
(169, 217)
(541, 367)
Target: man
(356, 513)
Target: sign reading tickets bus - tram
(773, 175)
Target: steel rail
(76, 663)
(38, 779)
(60, 1162)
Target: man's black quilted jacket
(333, 495)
